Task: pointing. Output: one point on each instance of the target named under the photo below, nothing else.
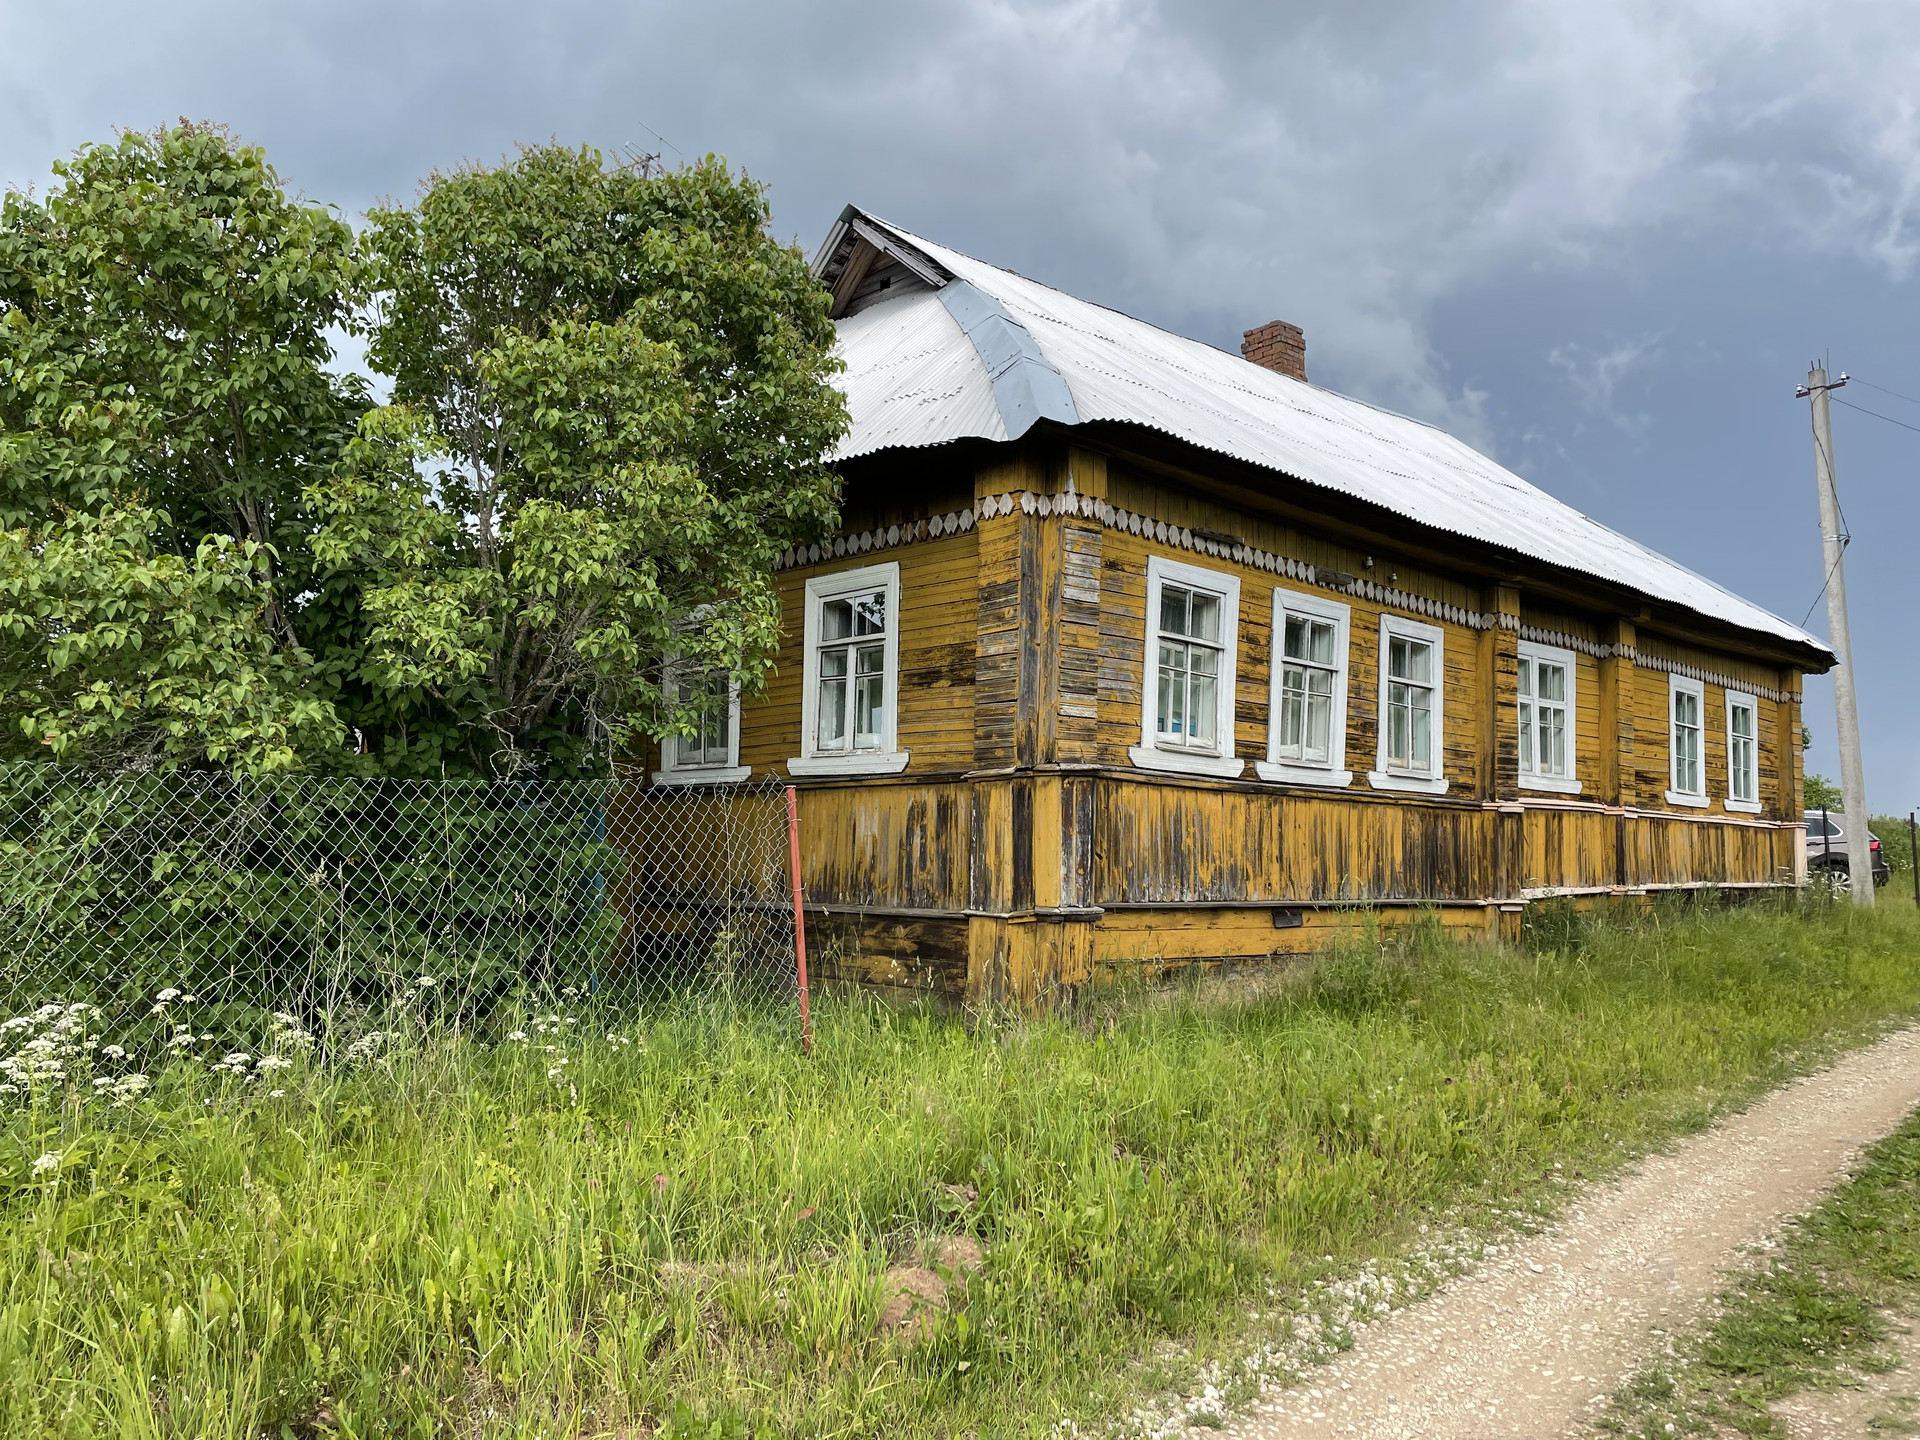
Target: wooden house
(1135, 652)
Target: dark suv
(1829, 853)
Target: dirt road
(1534, 1341)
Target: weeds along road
(1535, 1340)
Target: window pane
(872, 659)
(870, 614)
(1526, 731)
(1202, 660)
(833, 714)
(1553, 681)
(1399, 727)
(1295, 647)
(1292, 716)
(836, 619)
(1201, 707)
(1526, 676)
(1743, 720)
(1319, 724)
(1322, 653)
(1410, 660)
(1173, 610)
(1172, 713)
(869, 702)
(1553, 741)
(1205, 619)
(833, 663)
(1422, 727)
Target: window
(711, 755)
(1412, 707)
(849, 710)
(1686, 704)
(1186, 719)
(1546, 719)
(1307, 718)
(1743, 753)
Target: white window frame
(1740, 699)
(675, 770)
(1691, 799)
(1334, 774)
(1149, 755)
(889, 759)
(1433, 780)
(1568, 784)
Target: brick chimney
(1278, 346)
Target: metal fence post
(799, 917)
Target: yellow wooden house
(1133, 652)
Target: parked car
(1829, 851)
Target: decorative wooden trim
(1223, 547)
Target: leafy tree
(612, 403)
(163, 352)
(114, 651)
(1820, 793)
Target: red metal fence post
(799, 917)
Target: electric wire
(1883, 390)
(1875, 413)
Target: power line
(1875, 413)
(1884, 391)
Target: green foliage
(1820, 793)
(685, 1229)
(611, 402)
(115, 653)
(164, 397)
(1896, 843)
(1809, 1316)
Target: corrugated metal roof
(914, 378)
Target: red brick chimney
(1278, 346)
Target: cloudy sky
(1601, 241)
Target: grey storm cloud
(1599, 240)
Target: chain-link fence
(322, 897)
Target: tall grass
(692, 1220)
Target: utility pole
(1833, 546)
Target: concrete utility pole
(1853, 777)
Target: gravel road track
(1533, 1342)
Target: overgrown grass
(456, 1237)
(1814, 1314)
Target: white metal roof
(990, 352)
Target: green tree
(612, 404)
(113, 651)
(1820, 793)
(163, 355)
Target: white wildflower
(516, 1035)
(168, 995)
(47, 1162)
(114, 1052)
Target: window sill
(1175, 762)
(867, 763)
(1554, 784)
(1743, 807)
(703, 775)
(1282, 774)
(1691, 802)
(1412, 784)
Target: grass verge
(672, 1223)
(1819, 1311)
